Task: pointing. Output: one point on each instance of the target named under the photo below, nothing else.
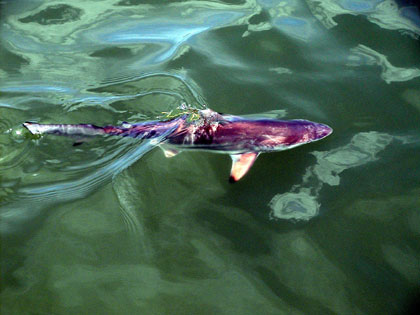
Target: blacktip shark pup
(193, 129)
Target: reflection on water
(384, 13)
(300, 203)
(365, 56)
(112, 226)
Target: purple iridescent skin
(243, 139)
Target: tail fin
(64, 130)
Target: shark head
(283, 135)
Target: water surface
(113, 227)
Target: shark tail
(80, 130)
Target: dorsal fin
(241, 163)
(126, 125)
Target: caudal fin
(64, 130)
(33, 128)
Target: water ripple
(50, 174)
(33, 199)
(363, 55)
(301, 203)
(384, 13)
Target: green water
(113, 227)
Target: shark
(205, 130)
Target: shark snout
(322, 131)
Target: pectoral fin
(169, 152)
(241, 163)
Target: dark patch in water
(113, 52)
(139, 2)
(412, 304)
(283, 292)
(54, 14)
(156, 2)
(11, 62)
(243, 238)
(261, 17)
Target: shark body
(242, 138)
